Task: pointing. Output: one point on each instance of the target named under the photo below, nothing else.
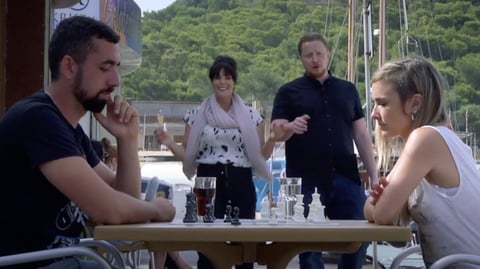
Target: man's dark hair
(74, 37)
(309, 37)
(227, 63)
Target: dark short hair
(309, 37)
(227, 63)
(74, 37)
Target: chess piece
(191, 208)
(281, 206)
(228, 213)
(235, 219)
(209, 217)
(274, 212)
(265, 210)
(298, 209)
(316, 212)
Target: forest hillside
(181, 41)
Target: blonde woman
(434, 181)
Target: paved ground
(385, 255)
(191, 258)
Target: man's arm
(87, 187)
(365, 149)
(80, 183)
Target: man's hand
(121, 119)
(165, 210)
(300, 124)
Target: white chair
(439, 264)
(454, 259)
(111, 253)
(48, 254)
(416, 249)
(133, 249)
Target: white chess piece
(273, 215)
(265, 210)
(298, 209)
(281, 205)
(316, 212)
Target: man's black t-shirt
(34, 215)
(327, 146)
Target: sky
(153, 5)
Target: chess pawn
(298, 209)
(209, 215)
(236, 214)
(228, 213)
(281, 205)
(281, 209)
(265, 211)
(274, 212)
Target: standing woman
(224, 138)
(435, 180)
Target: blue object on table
(261, 186)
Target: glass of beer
(205, 192)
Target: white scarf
(212, 114)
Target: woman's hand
(163, 137)
(377, 190)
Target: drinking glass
(289, 188)
(205, 192)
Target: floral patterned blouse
(219, 145)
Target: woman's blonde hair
(407, 77)
(111, 154)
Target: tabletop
(254, 231)
(273, 244)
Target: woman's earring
(413, 116)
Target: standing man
(322, 115)
(52, 180)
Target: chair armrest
(114, 255)
(405, 253)
(48, 254)
(456, 258)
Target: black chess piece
(235, 219)
(228, 214)
(209, 217)
(191, 208)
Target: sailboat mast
(368, 54)
(382, 30)
(351, 61)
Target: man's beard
(93, 104)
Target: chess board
(255, 222)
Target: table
(271, 244)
